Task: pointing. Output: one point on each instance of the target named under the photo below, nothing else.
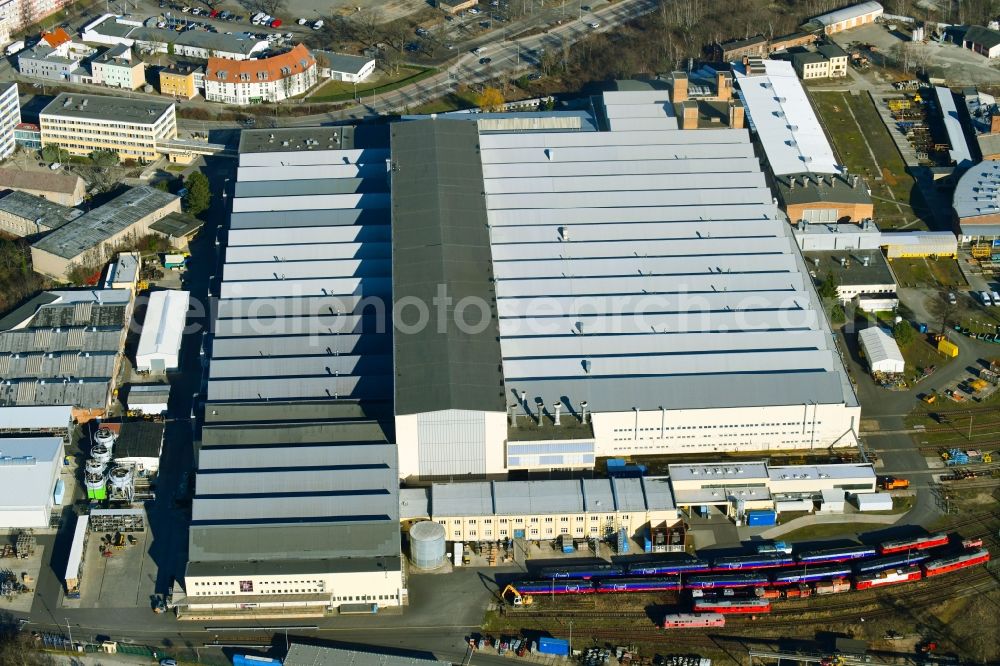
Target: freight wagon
(648, 584)
(693, 620)
(948, 564)
(832, 586)
(752, 562)
(836, 554)
(732, 606)
(919, 543)
(888, 577)
(721, 580)
(891, 562)
(810, 574)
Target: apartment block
(10, 117)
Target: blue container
(59, 492)
(518, 534)
(647, 542)
(761, 518)
(556, 646)
(922, 328)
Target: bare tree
(273, 7)
(368, 23)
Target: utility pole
(70, 631)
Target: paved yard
(126, 579)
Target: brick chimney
(995, 123)
(724, 86)
(680, 90)
(689, 114)
(737, 115)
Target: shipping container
(761, 518)
(949, 349)
(556, 646)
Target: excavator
(516, 597)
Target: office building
(133, 128)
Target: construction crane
(517, 598)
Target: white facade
(881, 351)
(29, 470)
(162, 331)
(10, 116)
(849, 17)
(451, 442)
(18, 14)
(265, 80)
(119, 73)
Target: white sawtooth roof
(782, 116)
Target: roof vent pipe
(583, 412)
(513, 415)
(524, 400)
(541, 409)
(557, 407)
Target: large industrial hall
(441, 299)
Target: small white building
(162, 331)
(873, 501)
(149, 399)
(849, 17)
(29, 471)
(343, 67)
(881, 351)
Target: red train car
(693, 620)
(888, 577)
(732, 606)
(948, 564)
(919, 543)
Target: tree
(272, 7)
(490, 99)
(199, 196)
(828, 288)
(367, 24)
(903, 332)
(52, 153)
(171, 48)
(104, 158)
(837, 314)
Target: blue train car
(752, 562)
(890, 562)
(647, 584)
(836, 554)
(582, 571)
(553, 586)
(808, 574)
(701, 582)
(666, 567)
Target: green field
(928, 273)
(340, 91)
(897, 200)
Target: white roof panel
(163, 328)
(741, 158)
(786, 125)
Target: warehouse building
(60, 187)
(149, 399)
(111, 30)
(29, 472)
(25, 421)
(543, 510)
(162, 331)
(64, 348)
(848, 17)
(977, 210)
(737, 487)
(91, 239)
(959, 153)
(27, 215)
(856, 273)
(590, 377)
(133, 128)
(299, 388)
(806, 178)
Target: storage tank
(121, 482)
(427, 545)
(96, 486)
(96, 466)
(105, 437)
(100, 453)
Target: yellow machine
(517, 598)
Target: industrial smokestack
(557, 408)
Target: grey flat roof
(313, 139)
(855, 272)
(96, 226)
(279, 567)
(36, 418)
(823, 188)
(177, 225)
(26, 471)
(48, 214)
(342, 62)
(439, 237)
(315, 655)
(140, 111)
(197, 38)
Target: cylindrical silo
(427, 545)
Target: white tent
(162, 331)
(881, 351)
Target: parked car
(594, 25)
(318, 24)
(951, 298)
(302, 21)
(485, 61)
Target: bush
(904, 333)
(54, 154)
(837, 314)
(198, 197)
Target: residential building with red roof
(271, 79)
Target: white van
(996, 297)
(984, 296)
(318, 24)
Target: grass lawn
(940, 273)
(824, 531)
(338, 91)
(919, 354)
(892, 187)
(450, 102)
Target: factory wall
(450, 442)
(637, 433)
(550, 526)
